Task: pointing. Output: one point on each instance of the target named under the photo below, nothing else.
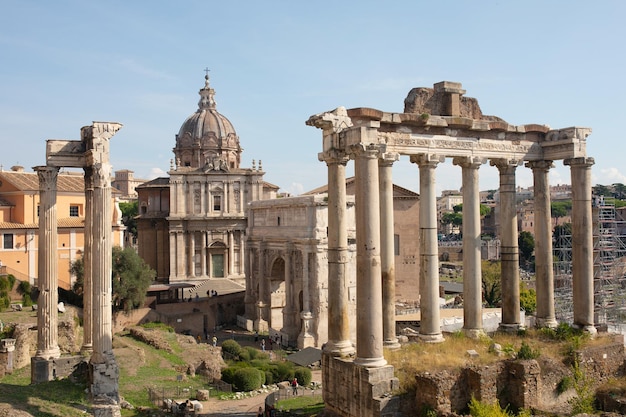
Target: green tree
(526, 243)
(455, 218)
(560, 209)
(527, 299)
(129, 216)
(492, 290)
(602, 190)
(130, 274)
(619, 190)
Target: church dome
(207, 139)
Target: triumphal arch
(437, 123)
(91, 153)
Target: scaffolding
(609, 269)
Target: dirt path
(239, 408)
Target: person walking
(294, 386)
(214, 340)
(260, 412)
(263, 345)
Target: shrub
(5, 302)
(228, 374)
(283, 371)
(26, 300)
(564, 384)
(526, 352)
(248, 379)
(304, 376)
(232, 348)
(583, 402)
(244, 355)
(23, 287)
(480, 409)
(252, 352)
(269, 377)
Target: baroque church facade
(192, 225)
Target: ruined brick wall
(443, 391)
(603, 362)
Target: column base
(474, 333)
(392, 344)
(104, 381)
(431, 338)
(342, 348)
(48, 354)
(589, 328)
(550, 323)
(370, 362)
(510, 328)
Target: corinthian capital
(331, 122)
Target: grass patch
(306, 406)
(60, 398)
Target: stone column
(305, 338)
(385, 181)
(582, 243)
(101, 264)
(262, 323)
(181, 265)
(47, 312)
(543, 244)
(472, 282)
(289, 311)
(204, 253)
(509, 249)
(430, 326)
(87, 259)
(339, 343)
(369, 345)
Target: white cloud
(609, 176)
(295, 188)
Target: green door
(217, 263)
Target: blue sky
(66, 63)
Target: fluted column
(261, 324)
(339, 343)
(387, 255)
(369, 345)
(544, 272)
(430, 325)
(204, 253)
(472, 282)
(181, 265)
(582, 243)
(509, 249)
(47, 313)
(87, 259)
(101, 264)
(173, 261)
